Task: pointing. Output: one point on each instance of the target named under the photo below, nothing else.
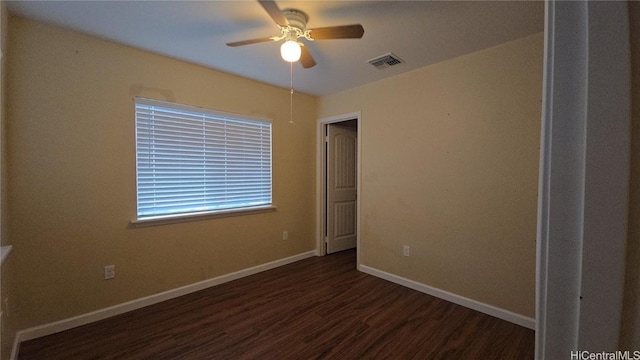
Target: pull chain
(291, 95)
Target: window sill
(174, 219)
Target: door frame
(583, 201)
(321, 179)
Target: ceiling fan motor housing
(297, 19)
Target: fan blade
(338, 32)
(306, 59)
(249, 42)
(274, 11)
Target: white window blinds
(192, 160)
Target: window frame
(159, 219)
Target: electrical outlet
(109, 272)
(285, 235)
(405, 250)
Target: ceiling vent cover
(385, 61)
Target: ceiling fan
(293, 26)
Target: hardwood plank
(317, 308)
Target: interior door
(341, 187)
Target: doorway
(338, 183)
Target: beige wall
(72, 175)
(630, 337)
(450, 167)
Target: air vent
(386, 61)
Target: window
(192, 161)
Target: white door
(341, 187)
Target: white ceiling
(419, 32)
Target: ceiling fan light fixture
(293, 26)
(290, 51)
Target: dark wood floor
(318, 308)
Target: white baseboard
(66, 324)
(451, 297)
